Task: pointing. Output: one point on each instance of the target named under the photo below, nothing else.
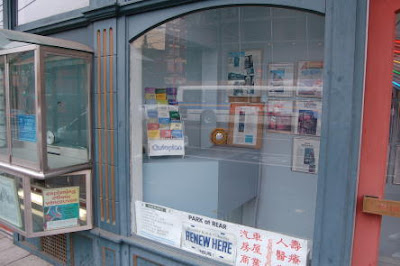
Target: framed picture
(305, 155)
(307, 118)
(280, 79)
(244, 73)
(246, 125)
(309, 78)
(279, 116)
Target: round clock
(219, 136)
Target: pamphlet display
(305, 155)
(280, 80)
(219, 240)
(164, 126)
(309, 79)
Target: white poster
(280, 80)
(245, 125)
(9, 203)
(166, 147)
(158, 223)
(259, 247)
(305, 155)
(310, 78)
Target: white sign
(9, 204)
(166, 147)
(158, 223)
(226, 242)
(201, 238)
(259, 247)
(305, 155)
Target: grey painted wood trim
(134, 7)
(340, 139)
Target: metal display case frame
(12, 43)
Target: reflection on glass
(235, 70)
(66, 86)
(23, 109)
(58, 203)
(31, 10)
(3, 123)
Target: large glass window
(31, 10)
(226, 120)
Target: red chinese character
(256, 249)
(245, 246)
(280, 255)
(295, 259)
(244, 233)
(256, 262)
(281, 242)
(295, 245)
(257, 236)
(245, 259)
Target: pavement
(12, 255)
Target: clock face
(50, 137)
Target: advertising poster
(9, 204)
(244, 72)
(26, 128)
(219, 240)
(279, 116)
(246, 124)
(307, 118)
(305, 155)
(61, 207)
(280, 80)
(309, 78)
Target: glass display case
(44, 109)
(45, 151)
(56, 205)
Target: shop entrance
(377, 226)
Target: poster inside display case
(9, 203)
(244, 72)
(280, 80)
(246, 124)
(307, 118)
(305, 155)
(279, 116)
(309, 78)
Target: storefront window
(226, 120)
(31, 10)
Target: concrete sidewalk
(13, 255)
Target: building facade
(224, 131)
